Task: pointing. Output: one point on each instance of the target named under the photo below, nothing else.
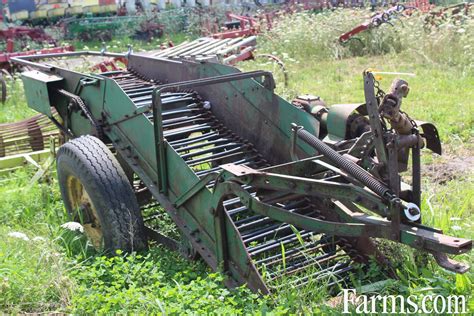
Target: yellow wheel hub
(85, 212)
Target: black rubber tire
(93, 164)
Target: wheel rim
(85, 212)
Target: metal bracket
(294, 137)
(371, 104)
(195, 188)
(449, 264)
(160, 143)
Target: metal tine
(237, 210)
(303, 262)
(192, 129)
(335, 269)
(183, 111)
(294, 204)
(220, 144)
(185, 123)
(325, 240)
(138, 90)
(264, 228)
(222, 155)
(277, 230)
(149, 96)
(133, 76)
(168, 52)
(211, 183)
(186, 49)
(269, 230)
(131, 92)
(176, 94)
(299, 258)
(149, 115)
(164, 101)
(119, 75)
(135, 85)
(131, 80)
(166, 96)
(249, 223)
(191, 106)
(242, 162)
(275, 243)
(204, 121)
(202, 144)
(252, 221)
(187, 141)
(149, 103)
(225, 148)
(122, 74)
(309, 262)
(147, 92)
(215, 157)
(235, 199)
(126, 81)
(183, 118)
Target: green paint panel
(37, 85)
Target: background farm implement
(30, 141)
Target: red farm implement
(375, 21)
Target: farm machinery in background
(227, 51)
(21, 40)
(41, 11)
(252, 22)
(455, 13)
(433, 16)
(15, 41)
(262, 190)
(30, 141)
(385, 17)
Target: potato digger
(259, 188)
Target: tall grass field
(47, 267)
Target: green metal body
(76, 27)
(246, 104)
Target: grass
(59, 272)
(14, 108)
